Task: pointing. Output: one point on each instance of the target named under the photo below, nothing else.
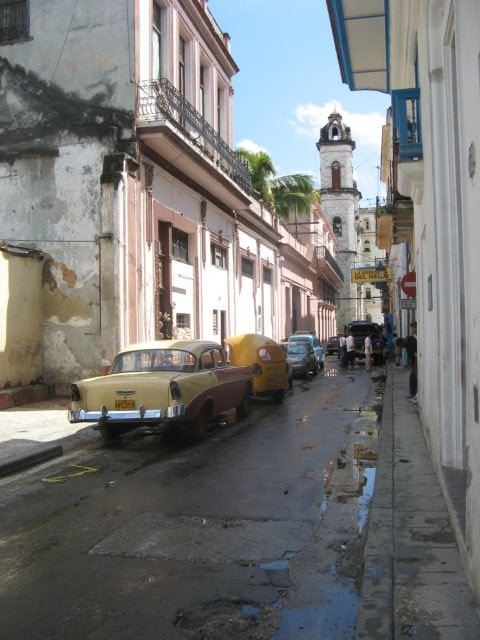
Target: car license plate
(127, 405)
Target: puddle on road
(364, 501)
(334, 620)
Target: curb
(29, 458)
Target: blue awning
(360, 31)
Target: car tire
(244, 407)
(321, 365)
(278, 396)
(110, 435)
(197, 429)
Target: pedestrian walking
(397, 349)
(342, 346)
(367, 347)
(411, 346)
(351, 350)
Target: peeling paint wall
(20, 320)
(60, 213)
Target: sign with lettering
(370, 274)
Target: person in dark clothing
(411, 346)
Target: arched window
(335, 135)
(336, 182)
(337, 226)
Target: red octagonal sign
(409, 284)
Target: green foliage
(287, 193)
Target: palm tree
(285, 193)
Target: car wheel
(278, 396)
(110, 435)
(243, 408)
(198, 426)
(321, 365)
(315, 370)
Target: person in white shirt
(342, 345)
(368, 353)
(351, 350)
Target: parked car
(301, 357)
(267, 360)
(333, 345)
(360, 329)
(181, 384)
(312, 339)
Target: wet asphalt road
(257, 532)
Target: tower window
(336, 181)
(335, 135)
(337, 226)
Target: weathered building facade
(425, 53)
(116, 164)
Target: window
(336, 181)
(267, 275)
(366, 248)
(337, 226)
(219, 256)
(183, 320)
(215, 322)
(180, 245)
(247, 268)
(14, 20)
(367, 225)
(157, 42)
(219, 111)
(202, 91)
(368, 294)
(181, 66)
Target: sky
(288, 84)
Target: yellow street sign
(371, 275)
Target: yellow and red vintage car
(267, 360)
(180, 384)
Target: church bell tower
(340, 200)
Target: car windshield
(154, 360)
(300, 339)
(297, 349)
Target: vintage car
(267, 360)
(333, 345)
(179, 384)
(302, 358)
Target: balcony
(406, 117)
(167, 123)
(329, 268)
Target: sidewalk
(23, 444)
(413, 584)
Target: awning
(360, 30)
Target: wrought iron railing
(14, 20)
(324, 255)
(161, 98)
(408, 126)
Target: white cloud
(249, 145)
(366, 127)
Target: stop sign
(409, 284)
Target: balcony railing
(160, 98)
(406, 116)
(324, 255)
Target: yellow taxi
(267, 361)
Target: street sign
(408, 303)
(370, 274)
(408, 284)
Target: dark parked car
(302, 358)
(333, 344)
(360, 330)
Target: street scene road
(256, 532)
